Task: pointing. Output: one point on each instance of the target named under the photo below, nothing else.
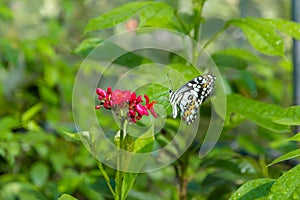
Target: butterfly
(190, 96)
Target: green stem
(120, 173)
(198, 7)
(214, 37)
(211, 40)
(181, 175)
(181, 23)
(105, 175)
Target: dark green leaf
(255, 189)
(109, 51)
(234, 58)
(260, 34)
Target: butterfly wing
(191, 95)
(189, 107)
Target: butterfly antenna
(170, 81)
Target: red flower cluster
(120, 99)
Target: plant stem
(106, 178)
(120, 173)
(182, 179)
(198, 7)
(214, 37)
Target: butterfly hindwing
(189, 107)
(190, 96)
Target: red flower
(120, 99)
(105, 97)
(119, 96)
(149, 106)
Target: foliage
(41, 158)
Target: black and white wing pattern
(190, 96)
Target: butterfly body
(190, 96)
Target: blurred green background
(37, 69)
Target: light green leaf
(151, 13)
(145, 142)
(87, 45)
(258, 112)
(129, 179)
(66, 197)
(157, 14)
(289, 155)
(295, 137)
(289, 116)
(39, 173)
(260, 34)
(31, 112)
(74, 136)
(285, 186)
(8, 122)
(289, 27)
(255, 189)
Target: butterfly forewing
(190, 96)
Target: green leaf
(295, 137)
(6, 13)
(74, 136)
(87, 45)
(66, 197)
(145, 142)
(31, 112)
(108, 51)
(289, 27)
(48, 95)
(129, 179)
(255, 189)
(8, 122)
(285, 186)
(260, 34)
(39, 173)
(289, 116)
(234, 58)
(151, 13)
(157, 14)
(289, 155)
(258, 112)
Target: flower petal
(141, 110)
(154, 114)
(97, 107)
(101, 92)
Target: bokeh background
(38, 65)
